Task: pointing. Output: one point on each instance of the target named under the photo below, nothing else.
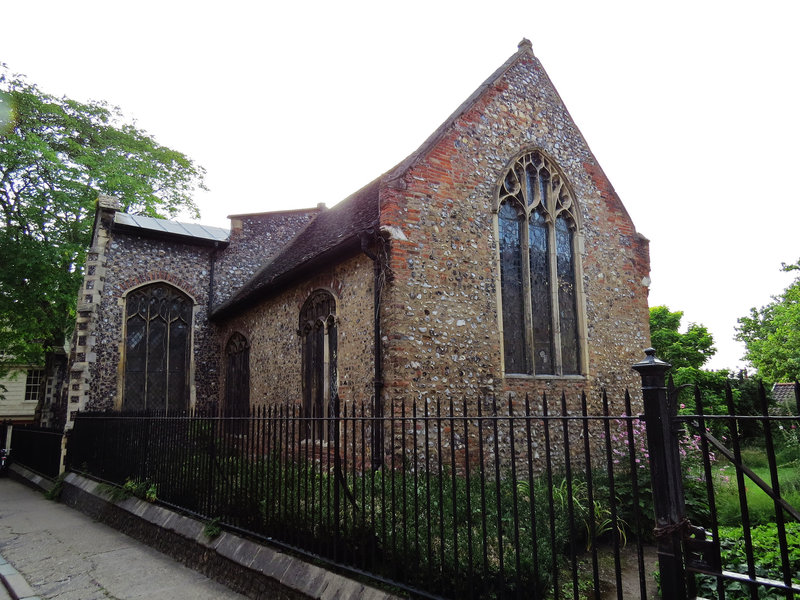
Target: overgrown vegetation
(54, 493)
(771, 334)
(448, 531)
(144, 490)
(425, 525)
(768, 560)
(212, 529)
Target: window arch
(158, 321)
(319, 346)
(237, 376)
(537, 227)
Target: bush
(767, 558)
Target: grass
(760, 506)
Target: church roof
(150, 226)
(783, 393)
(334, 232)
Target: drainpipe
(377, 408)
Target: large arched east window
(158, 321)
(537, 228)
(237, 377)
(319, 346)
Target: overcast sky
(692, 108)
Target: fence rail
(534, 500)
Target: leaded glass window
(537, 228)
(318, 331)
(158, 321)
(237, 380)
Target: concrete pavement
(48, 550)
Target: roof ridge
(523, 48)
(243, 289)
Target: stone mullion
(526, 295)
(146, 357)
(555, 309)
(326, 373)
(167, 345)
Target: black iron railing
(519, 499)
(744, 457)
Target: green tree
(771, 334)
(690, 349)
(56, 156)
(687, 353)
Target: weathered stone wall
(272, 326)
(119, 262)
(254, 239)
(133, 261)
(441, 325)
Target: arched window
(537, 228)
(158, 320)
(319, 346)
(237, 377)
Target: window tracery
(158, 329)
(237, 378)
(537, 226)
(318, 330)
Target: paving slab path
(58, 552)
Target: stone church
(496, 259)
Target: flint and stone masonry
(411, 260)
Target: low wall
(244, 566)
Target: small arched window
(319, 346)
(537, 226)
(158, 321)
(237, 376)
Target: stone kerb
(243, 565)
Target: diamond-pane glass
(540, 294)
(158, 325)
(537, 223)
(513, 290)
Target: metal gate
(692, 563)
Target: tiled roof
(332, 230)
(342, 224)
(783, 393)
(163, 227)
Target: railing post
(665, 473)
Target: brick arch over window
(237, 376)
(158, 323)
(318, 332)
(538, 227)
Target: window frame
(237, 364)
(187, 387)
(319, 381)
(562, 205)
(33, 383)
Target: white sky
(690, 107)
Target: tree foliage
(771, 334)
(690, 349)
(56, 156)
(687, 353)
